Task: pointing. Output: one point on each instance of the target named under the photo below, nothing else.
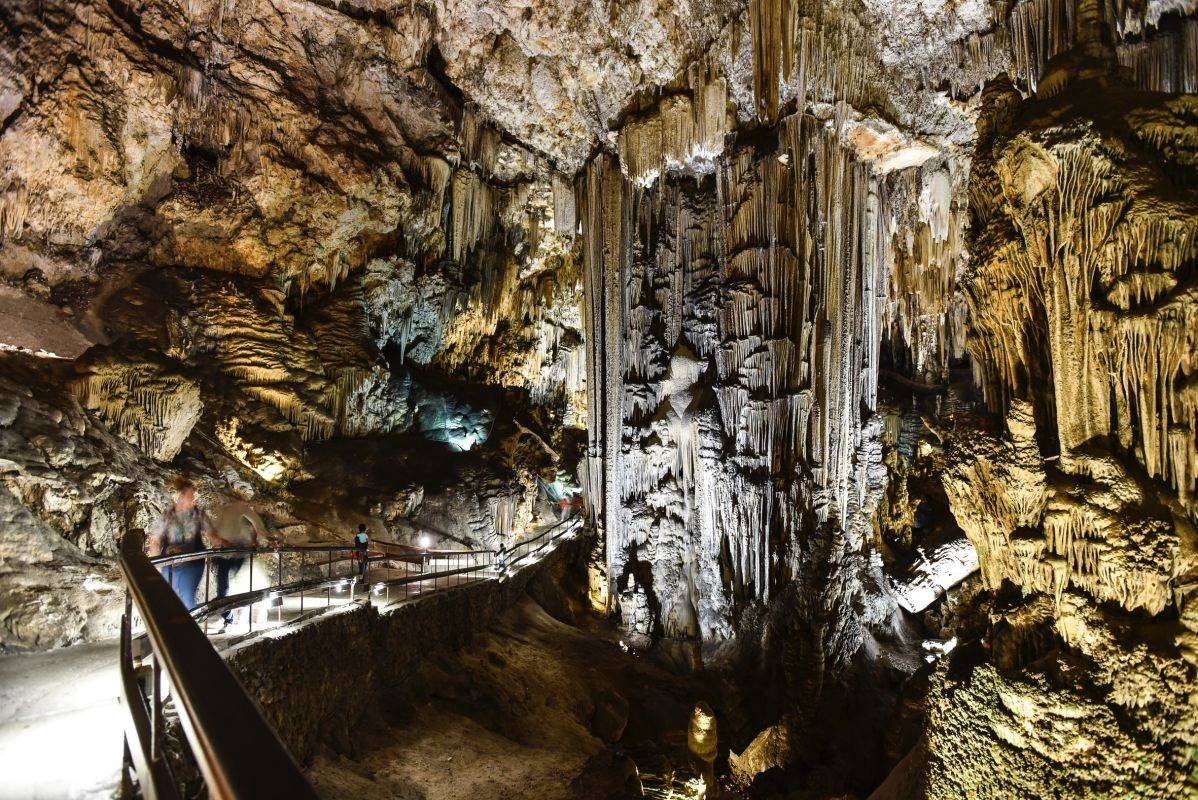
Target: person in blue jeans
(362, 543)
(183, 528)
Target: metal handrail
(476, 561)
(238, 753)
(541, 540)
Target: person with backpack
(362, 543)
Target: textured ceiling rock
(556, 75)
(205, 136)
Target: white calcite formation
(879, 317)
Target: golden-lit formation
(738, 398)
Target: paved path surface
(61, 719)
(60, 724)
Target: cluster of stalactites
(681, 130)
(1085, 528)
(778, 287)
(1121, 360)
(1159, 55)
(323, 383)
(143, 405)
(473, 202)
(924, 317)
(1164, 61)
(1159, 58)
(802, 52)
(472, 215)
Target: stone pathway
(61, 720)
(60, 724)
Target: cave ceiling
(866, 327)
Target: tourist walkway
(61, 717)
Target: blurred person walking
(184, 527)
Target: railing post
(126, 765)
(156, 719)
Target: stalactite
(472, 214)
(923, 317)
(565, 219)
(770, 24)
(142, 404)
(680, 130)
(1039, 30)
(14, 205)
(480, 141)
(978, 58)
(1165, 60)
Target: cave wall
(851, 297)
(816, 272)
(307, 273)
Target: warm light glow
(73, 747)
(426, 541)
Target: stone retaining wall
(315, 684)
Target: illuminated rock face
(1084, 331)
(879, 318)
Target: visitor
(576, 505)
(501, 561)
(183, 528)
(238, 526)
(362, 543)
(564, 504)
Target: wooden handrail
(238, 753)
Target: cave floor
(60, 723)
(524, 712)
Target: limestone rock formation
(866, 328)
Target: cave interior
(863, 331)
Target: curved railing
(238, 754)
(534, 545)
(420, 565)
